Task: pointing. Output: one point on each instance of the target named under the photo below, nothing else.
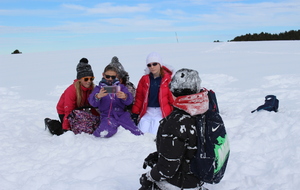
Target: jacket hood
(193, 104)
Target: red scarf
(193, 104)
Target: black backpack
(210, 161)
(271, 104)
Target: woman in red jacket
(153, 99)
(76, 94)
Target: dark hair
(162, 72)
(125, 78)
(110, 68)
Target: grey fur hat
(84, 69)
(115, 63)
(185, 82)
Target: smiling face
(87, 81)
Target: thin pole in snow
(176, 36)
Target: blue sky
(46, 25)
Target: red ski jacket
(165, 96)
(68, 102)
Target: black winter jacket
(176, 144)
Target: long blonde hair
(79, 92)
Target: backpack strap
(213, 103)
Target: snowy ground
(265, 146)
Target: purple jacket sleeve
(129, 98)
(92, 99)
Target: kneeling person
(176, 139)
(112, 105)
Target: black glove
(135, 117)
(146, 184)
(151, 160)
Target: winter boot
(54, 126)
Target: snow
(265, 146)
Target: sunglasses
(110, 76)
(88, 78)
(153, 64)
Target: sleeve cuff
(153, 175)
(97, 99)
(149, 177)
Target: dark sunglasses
(110, 76)
(153, 64)
(88, 78)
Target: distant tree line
(290, 35)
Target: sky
(48, 25)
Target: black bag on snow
(210, 161)
(54, 126)
(271, 104)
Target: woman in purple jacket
(111, 98)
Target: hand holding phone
(111, 89)
(121, 95)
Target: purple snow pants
(109, 125)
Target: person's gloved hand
(145, 182)
(135, 118)
(151, 160)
